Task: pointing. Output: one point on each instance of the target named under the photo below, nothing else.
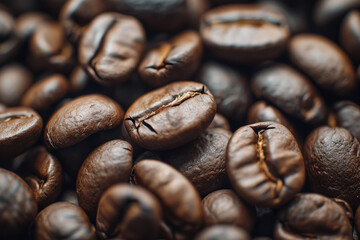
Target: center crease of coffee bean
(165, 49)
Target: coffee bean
(111, 47)
(220, 121)
(46, 92)
(223, 232)
(264, 164)
(224, 207)
(17, 205)
(107, 165)
(350, 35)
(28, 22)
(229, 87)
(181, 202)
(170, 116)
(324, 62)
(172, 61)
(63, 220)
(348, 116)
(9, 41)
(15, 79)
(244, 33)
(79, 80)
(347, 208)
(128, 212)
(291, 92)
(307, 216)
(332, 161)
(81, 118)
(43, 173)
(20, 127)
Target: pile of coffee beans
(179, 119)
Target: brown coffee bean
(9, 41)
(308, 217)
(223, 232)
(347, 115)
(350, 34)
(79, 80)
(332, 161)
(291, 92)
(220, 121)
(265, 164)
(17, 205)
(15, 79)
(44, 93)
(180, 200)
(172, 61)
(107, 165)
(43, 173)
(63, 220)
(128, 212)
(81, 118)
(111, 47)
(347, 208)
(28, 22)
(324, 62)
(244, 33)
(224, 207)
(170, 116)
(20, 127)
(229, 87)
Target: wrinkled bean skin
(107, 165)
(229, 87)
(225, 32)
(224, 207)
(180, 200)
(223, 232)
(348, 116)
(350, 35)
(41, 95)
(332, 157)
(265, 164)
(108, 51)
(81, 118)
(9, 40)
(128, 212)
(307, 217)
(76, 14)
(172, 61)
(17, 205)
(324, 62)
(170, 109)
(20, 127)
(202, 161)
(15, 79)
(43, 173)
(63, 220)
(291, 92)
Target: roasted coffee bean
(170, 116)
(44, 93)
(158, 16)
(229, 87)
(350, 34)
(20, 127)
(128, 212)
(346, 206)
(50, 49)
(312, 216)
(220, 121)
(332, 158)
(15, 79)
(291, 92)
(348, 116)
(81, 118)
(171, 61)
(75, 15)
(224, 207)
(324, 62)
(17, 205)
(244, 33)
(180, 200)
(79, 80)
(43, 173)
(9, 41)
(265, 164)
(28, 22)
(107, 165)
(111, 47)
(63, 220)
(223, 232)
